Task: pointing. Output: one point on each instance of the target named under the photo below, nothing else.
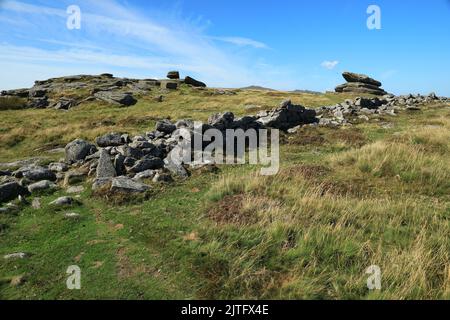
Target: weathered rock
(10, 191)
(78, 150)
(38, 103)
(195, 83)
(75, 189)
(72, 215)
(169, 84)
(36, 203)
(22, 93)
(110, 140)
(118, 98)
(101, 183)
(355, 77)
(221, 121)
(119, 165)
(65, 104)
(147, 174)
(165, 126)
(130, 152)
(41, 185)
(63, 201)
(16, 255)
(150, 163)
(162, 177)
(74, 176)
(287, 116)
(175, 167)
(127, 185)
(58, 167)
(35, 173)
(173, 75)
(105, 167)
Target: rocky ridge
(52, 93)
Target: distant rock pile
(53, 93)
(360, 83)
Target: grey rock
(105, 167)
(117, 98)
(78, 150)
(36, 203)
(16, 255)
(173, 75)
(100, 183)
(10, 191)
(147, 164)
(75, 189)
(38, 103)
(72, 215)
(125, 184)
(147, 174)
(192, 82)
(162, 177)
(165, 126)
(63, 201)
(58, 167)
(130, 152)
(355, 77)
(65, 104)
(175, 167)
(119, 164)
(110, 139)
(287, 116)
(41, 185)
(221, 121)
(35, 173)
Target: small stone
(72, 215)
(63, 201)
(41, 185)
(75, 189)
(15, 256)
(36, 203)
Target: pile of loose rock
(119, 162)
(360, 83)
(361, 109)
(51, 93)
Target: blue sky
(287, 45)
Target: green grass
(343, 200)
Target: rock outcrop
(360, 83)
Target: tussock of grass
(12, 103)
(316, 239)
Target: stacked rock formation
(360, 83)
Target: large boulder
(221, 121)
(11, 190)
(105, 167)
(35, 173)
(173, 75)
(147, 164)
(355, 77)
(360, 83)
(41, 185)
(192, 82)
(78, 150)
(287, 116)
(117, 98)
(110, 140)
(127, 185)
(165, 126)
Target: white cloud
(239, 41)
(122, 41)
(330, 65)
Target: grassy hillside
(345, 198)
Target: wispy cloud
(330, 65)
(239, 41)
(123, 41)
